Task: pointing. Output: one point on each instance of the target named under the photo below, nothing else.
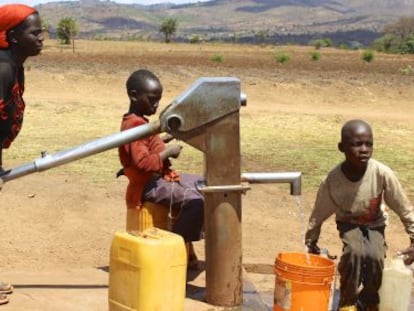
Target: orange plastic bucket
(302, 282)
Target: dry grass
(292, 120)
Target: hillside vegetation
(278, 21)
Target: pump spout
(292, 178)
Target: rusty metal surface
(223, 237)
(206, 116)
(208, 99)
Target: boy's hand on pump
(167, 137)
(173, 151)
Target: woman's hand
(3, 171)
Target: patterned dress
(11, 99)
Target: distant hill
(260, 21)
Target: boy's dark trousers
(362, 262)
(184, 198)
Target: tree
(398, 37)
(321, 43)
(261, 36)
(169, 28)
(407, 46)
(403, 28)
(388, 43)
(67, 30)
(46, 28)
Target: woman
(20, 37)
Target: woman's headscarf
(10, 16)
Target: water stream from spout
(302, 219)
(298, 201)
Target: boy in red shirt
(148, 168)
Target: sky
(35, 2)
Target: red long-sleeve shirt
(140, 159)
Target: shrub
(328, 42)
(388, 43)
(407, 46)
(315, 56)
(321, 43)
(407, 70)
(195, 39)
(282, 58)
(355, 45)
(217, 58)
(368, 56)
(343, 46)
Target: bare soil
(61, 220)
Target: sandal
(3, 299)
(6, 288)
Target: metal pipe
(96, 146)
(292, 178)
(243, 99)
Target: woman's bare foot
(3, 299)
(5, 288)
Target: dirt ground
(65, 220)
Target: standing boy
(354, 191)
(146, 164)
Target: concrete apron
(87, 290)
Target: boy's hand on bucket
(330, 256)
(313, 248)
